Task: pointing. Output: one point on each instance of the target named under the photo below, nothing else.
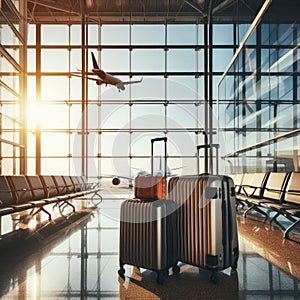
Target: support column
(38, 100)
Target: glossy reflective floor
(77, 258)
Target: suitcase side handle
(152, 153)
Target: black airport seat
(60, 185)
(290, 206)
(39, 195)
(69, 184)
(271, 191)
(76, 183)
(20, 191)
(6, 195)
(50, 187)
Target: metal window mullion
(86, 102)
(83, 82)
(69, 103)
(38, 99)
(130, 102)
(99, 106)
(258, 86)
(197, 100)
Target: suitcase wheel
(121, 272)
(176, 269)
(235, 264)
(214, 277)
(160, 278)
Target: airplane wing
(88, 77)
(113, 176)
(96, 72)
(80, 72)
(134, 81)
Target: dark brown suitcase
(150, 186)
(148, 236)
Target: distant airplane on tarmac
(116, 179)
(105, 78)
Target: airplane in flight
(105, 78)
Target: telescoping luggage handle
(152, 152)
(206, 147)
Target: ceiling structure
(143, 11)
(157, 11)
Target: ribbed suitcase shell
(150, 187)
(207, 228)
(148, 235)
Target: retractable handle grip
(158, 139)
(206, 147)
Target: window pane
(181, 116)
(181, 60)
(114, 116)
(115, 34)
(223, 34)
(75, 34)
(75, 60)
(55, 165)
(55, 34)
(150, 89)
(31, 35)
(55, 87)
(148, 116)
(54, 116)
(148, 34)
(50, 142)
(181, 88)
(181, 34)
(115, 143)
(114, 60)
(221, 59)
(31, 59)
(55, 60)
(151, 60)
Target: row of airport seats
(22, 192)
(270, 191)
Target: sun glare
(33, 113)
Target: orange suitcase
(152, 187)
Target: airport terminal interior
(86, 84)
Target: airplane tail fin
(95, 64)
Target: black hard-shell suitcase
(148, 236)
(206, 217)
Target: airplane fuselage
(106, 78)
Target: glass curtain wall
(13, 87)
(259, 101)
(168, 102)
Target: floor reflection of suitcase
(207, 229)
(148, 236)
